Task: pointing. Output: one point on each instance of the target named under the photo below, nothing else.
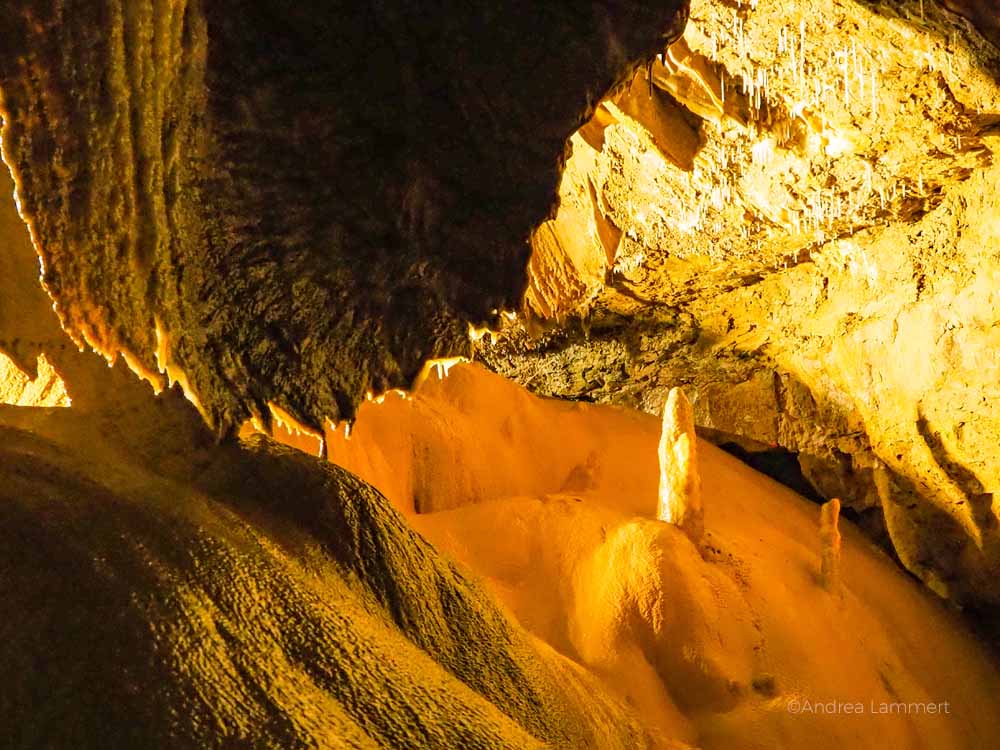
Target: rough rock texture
(39, 364)
(28, 327)
(295, 204)
(282, 208)
(793, 215)
(163, 592)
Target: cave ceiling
(767, 137)
(784, 215)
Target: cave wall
(266, 205)
(39, 364)
(800, 205)
(237, 200)
(27, 324)
(789, 209)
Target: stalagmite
(680, 484)
(829, 538)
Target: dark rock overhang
(290, 206)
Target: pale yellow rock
(45, 389)
(831, 255)
(680, 485)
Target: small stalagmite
(680, 484)
(829, 538)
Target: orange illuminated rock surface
(45, 389)
(731, 644)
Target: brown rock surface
(161, 591)
(39, 364)
(270, 204)
(294, 204)
(791, 212)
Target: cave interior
(477, 375)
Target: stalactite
(680, 484)
(874, 94)
(802, 50)
(829, 538)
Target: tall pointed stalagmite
(680, 484)
(829, 538)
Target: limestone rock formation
(680, 483)
(164, 592)
(39, 364)
(712, 644)
(792, 214)
(296, 204)
(830, 540)
(288, 213)
(278, 208)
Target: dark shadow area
(980, 501)
(780, 464)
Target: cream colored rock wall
(913, 343)
(822, 274)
